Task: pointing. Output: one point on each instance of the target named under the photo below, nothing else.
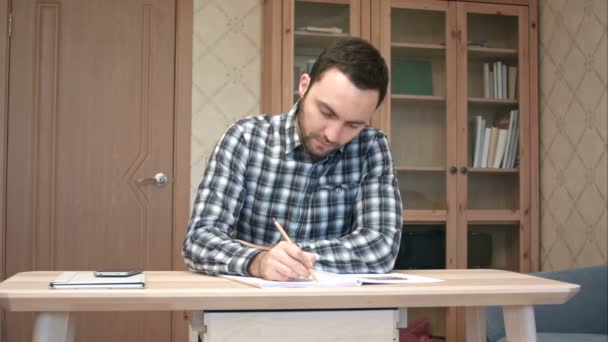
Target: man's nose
(333, 131)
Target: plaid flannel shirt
(345, 208)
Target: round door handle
(464, 170)
(453, 169)
(159, 179)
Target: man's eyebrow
(333, 112)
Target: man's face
(332, 112)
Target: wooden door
(91, 115)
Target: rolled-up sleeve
(209, 246)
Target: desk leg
(54, 326)
(520, 325)
(475, 318)
(197, 323)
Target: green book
(411, 77)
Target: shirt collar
(292, 134)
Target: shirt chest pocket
(332, 208)
(337, 198)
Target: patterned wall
(573, 133)
(226, 79)
(226, 75)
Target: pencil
(286, 237)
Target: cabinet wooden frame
(524, 210)
(521, 220)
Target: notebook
(87, 280)
(328, 279)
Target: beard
(311, 140)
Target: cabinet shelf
(425, 216)
(492, 101)
(491, 53)
(493, 170)
(493, 216)
(315, 40)
(420, 168)
(488, 100)
(415, 50)
(417, 98)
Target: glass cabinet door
(316, 25)
(419, 120)
(422, 121)
(495, 115)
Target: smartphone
(116, 273)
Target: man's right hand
(283, 262)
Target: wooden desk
(172, 291)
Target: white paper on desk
(328, 279)
(294, 283)
(390, 278)
(88, 280)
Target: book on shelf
(510, 137)
(88, 280)
(328, 279)
(477, 43)
(486, 80)
(486, 147)
(479, 123)
(500, 147)
(499, 80)
(514, 150)
(319, 29)
(494, 144)
(504, 84)
(412, 77)
(512, 77)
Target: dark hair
(360, 61)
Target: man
(320, 169)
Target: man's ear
(303, 85)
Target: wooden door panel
(91, 112)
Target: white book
(491, 81)
(482, 136)
(88, 280)
(486, 147)
(509, 137)
(500, 147)
(495, 80)
(513, 139)
(328, 279)
(478, 136)
(514, 151)
(486, 80)
(498, 72)
(505, 87)
(492, 147)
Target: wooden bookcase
(431, 123)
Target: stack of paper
(327, 279)
(88, 280)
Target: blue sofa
(584, 318)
